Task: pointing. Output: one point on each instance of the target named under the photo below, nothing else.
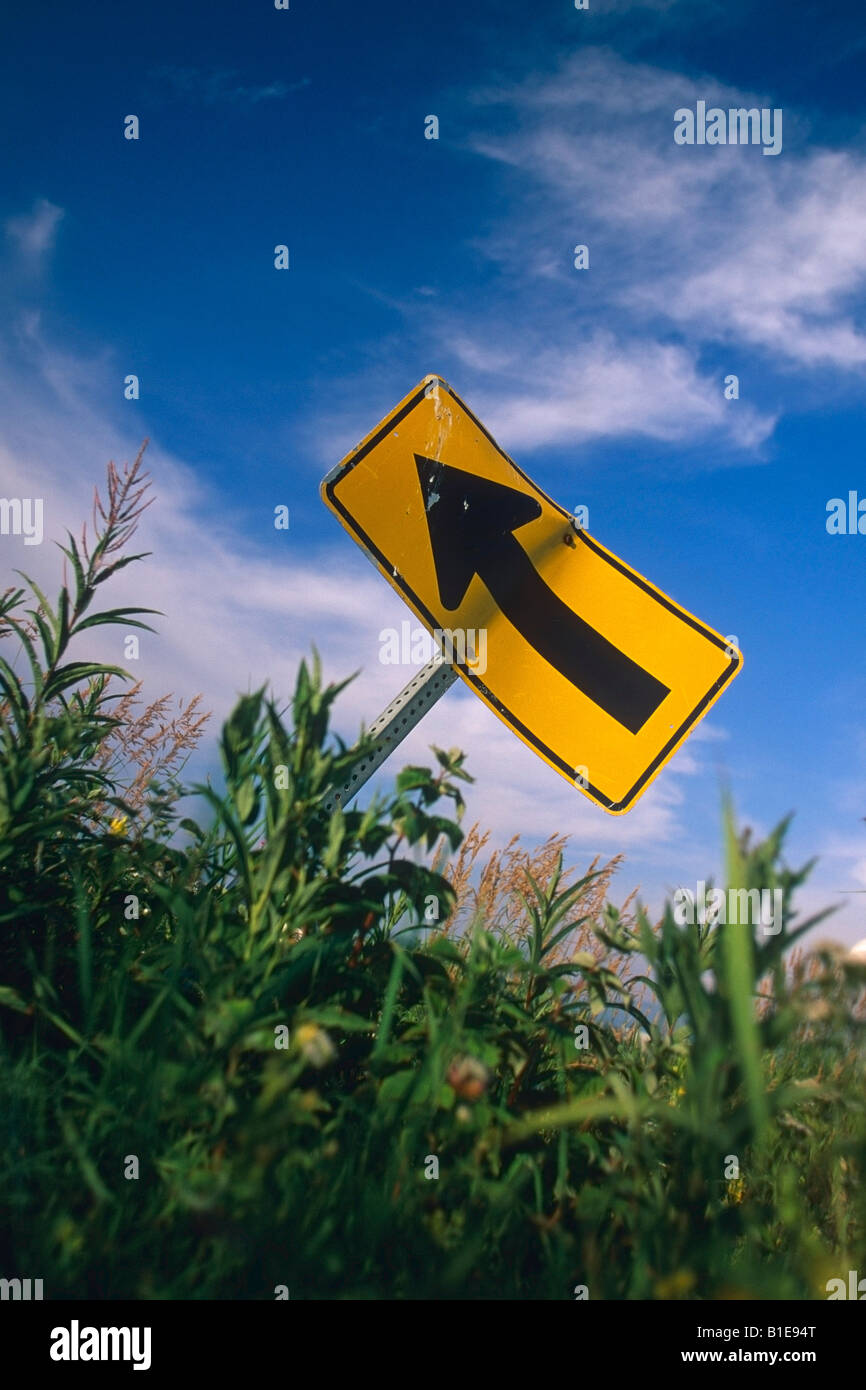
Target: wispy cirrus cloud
(603, 387)
(213, 86)
(701, 259)
(34, 233)
(714, 242)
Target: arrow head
(467, 518)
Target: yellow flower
(118, 825)
(315, 1045)
(736, 1190)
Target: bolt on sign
(589, 663)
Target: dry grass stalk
(151, 743)
(492, 892)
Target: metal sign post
(396, 720)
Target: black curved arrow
(471, 521)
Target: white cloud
(724, 244)
(603, 388)
(35, 232)
(785, 279)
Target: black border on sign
(329, 487)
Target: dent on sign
(592, 666)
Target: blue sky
(455, 256)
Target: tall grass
(273, 1048)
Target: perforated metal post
(394, 723)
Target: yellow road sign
(587, 662)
